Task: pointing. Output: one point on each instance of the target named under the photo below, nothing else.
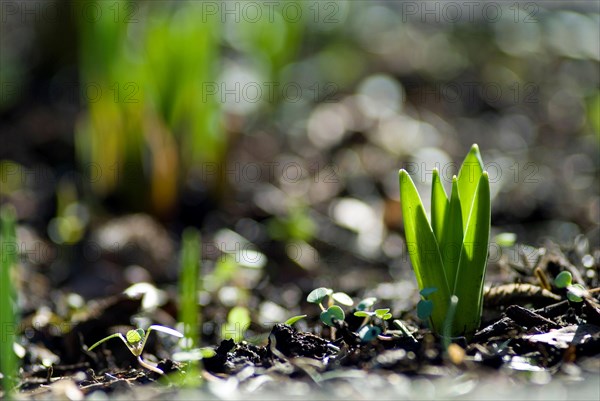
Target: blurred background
(277, 129)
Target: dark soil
(545, 333)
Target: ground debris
(527, 318)
(518, 293)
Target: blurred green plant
(149, 126)
(295, 226)
(69, 225)
(135, 340)
(238, 322)
(449, 255)
(271, 41)
(8, 315)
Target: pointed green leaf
(294, 319)
(362, 313)
(439, 205)
(473, 260)
(468, 179)
(423, 249)
(450, 242)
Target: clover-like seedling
(575, 292)
(317, 296)
(368, 331)
(135, 340)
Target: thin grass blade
(423, 249)
(439, 205)
(8, 316)
(468, 179)
(473, 260)
(189, 312)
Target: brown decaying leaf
(518, 293)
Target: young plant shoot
(449, 252)
(318, 295)
(135, 340)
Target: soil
(546, 339)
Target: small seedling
(135, 340)
(368, 331)
(449, 251)
(317, 296)
(575, 292)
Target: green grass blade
(189, 308)
(473, 259)
(451, 240)
(8, 316)
(439, 205)
(423, 249)
(190, 270)
(468, 179)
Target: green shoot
(135, 340)
(190, 274)
(575, 292)
(368, 331)
(318, 295)
(449, 252)
(8, 317)
(383, 314)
